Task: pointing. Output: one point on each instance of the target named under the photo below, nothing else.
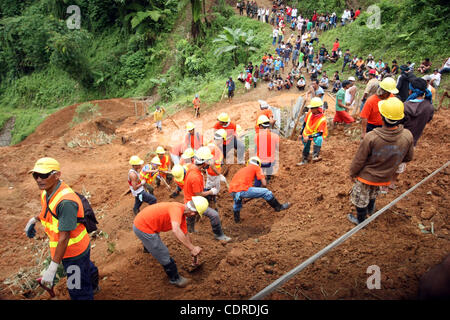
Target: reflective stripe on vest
(164, 164)
(308, 131)
(78, 238)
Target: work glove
(222, 178)
(29, 228)
(214, 191)
(49, 274)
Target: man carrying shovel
(62, 211)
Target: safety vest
(314, 129)
(197, 143)
(164, 163)
(217, 159)
(146, 175)
(78, 238)
(140, 189)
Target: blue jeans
(252, 192)
(363, 102)
(89, 277)
(274, 40)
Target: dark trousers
(142, 197)
(89, 277)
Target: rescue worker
(194, 186)
(370, 115)
(241, 187)
(314, 130)
(220, 137)
(267, 144)
(158, 116)
(265, 110)
(224, 122)
(163, 217)
(61, 214)
(378, 157)
(193, 139)
(179, 173)
(149, 173)
(176, 152)
(137, 185)
(187, 156)
(165, 166)
(213, 173)
(196, 103)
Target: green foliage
(85, 111)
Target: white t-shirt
(436, 79)
(294, 12)
(447, 63)
(275, 33)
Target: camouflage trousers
(362, 193)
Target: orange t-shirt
(157, 217)
(178, 149)
(370, 110)
(196, 102)
(193, 183)
(267, 112)
(266, 145)
(217, 160)
(231, 130)
(244, 178)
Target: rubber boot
(237, 216)
(174, 277)
(278, 206)
(371, 207)
(218, 233)
(316, 151)
(190, 224)
(361, 212)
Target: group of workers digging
(191, 163)
(381, 156)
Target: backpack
(89, 220)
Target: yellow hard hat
(190, 126)
(255, 160)
(262, 119)
(315, 103)
(135, 161)
(389, 85)
(160, 150)
(202, 154)
(156, 160)
(178, 173)
(223, 117)
(220, 134)
(188, 153)
(45, 165)
(200, 204)
(392, 109)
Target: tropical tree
(233, 40)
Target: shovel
(49, 290)
(195, 266)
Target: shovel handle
(49, 290)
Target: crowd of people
(393, 116)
